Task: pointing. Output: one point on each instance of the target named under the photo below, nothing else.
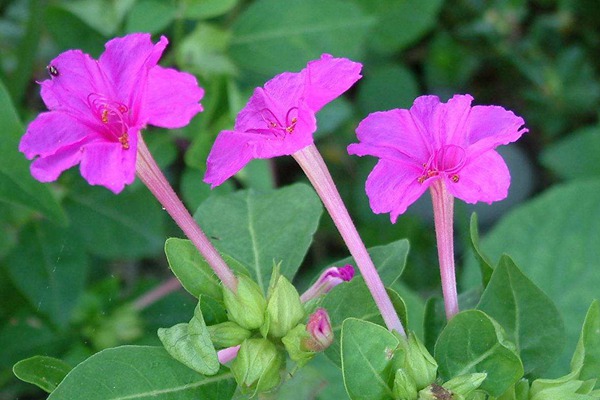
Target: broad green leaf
(353, 300)
(49, 266)
(389, 260)
(555, 240)
(151, 16)
(140, 372)
(485, 265)
(387, 87)
(474, 342)
(190, 344)
(70, 32)
(203, 51)
(527, 315)
(17, 186)
(203, 9)
(126, 225)
(272, 36)
(263, 229)
(586, 359)
(399, 23)
(575, 156)
(44, 372)
(434, 321)
(105, 17)
(367, 350)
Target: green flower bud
(436, 392)
(418, 363)
(227, 334)
(284, 308)
(246, 307)
(405, 387)
(258, 365)
(464, 385)
(293, 343)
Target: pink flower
(329, 279)
(279, 119)
(97, 107)
(432, 141)
(319, 329)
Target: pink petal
(427, 112)
(229, 154)
(50, 132)
(485, 178)
(109, 165)
(327, 78)
(78, 76)
(393, 186)
(393, 135)
(48, 169)
(455, 117)
(173, 98)
(126, 62)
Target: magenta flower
(97, 108)
(433, 141)
(279, 119)
(329, 279)
(320, 331)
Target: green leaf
(485, 265)
(587, 354)
(367, 350)
(272, 36)
(263, 229)
(474, 342)
(203, 51)
(204, 9)
(389, 259)
(128, 225)
(44, 372)
(190, 344)
(528, 316)
(354, 300)
(378, 90)
(104, 17)
(17, 186)
(49, 266)
(554, 240)
(434, 321)
(151, 16)
(399, 23)
(140, 372)
(575, 156)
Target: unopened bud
(284, 309)
(257, 367)
(464, 385)
(418, 363)
(436, 392)
(404, 387)
(319, 330)
(227, 334)
(330, 278)
(247, 306)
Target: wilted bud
(418, 363)
(464, 385)
(284, 309)
(319, 330)
(436, 392)
(247, 306)
(330, 278)
(405, 387)
(227, 334)
(257, 367)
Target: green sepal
(284, 308)
(405, 387)
(257, 367)
(227, 334)
(293, 342)
(247, 306)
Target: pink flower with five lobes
(97, 108)
(279, 118)
(453, 142)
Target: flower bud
(227, 334)
(293, 343)
(319, 330)
(436, 392)
(418, 363)
(405, 387)
(257, 367)
(284, 309)
(247, 306)
(464, 385)
(330, 278)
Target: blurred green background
(72, 257)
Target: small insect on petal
(52, 70)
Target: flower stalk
(443, 214)
(151, 175)
(314, 167)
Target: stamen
(124, 140)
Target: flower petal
(48, 169)
(392, 187)
(454, 120)
(173, 98)
(229, 154)
(484, 178)
(109, 164)
(50, 132)
(327, 78)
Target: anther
(455, 178)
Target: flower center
(112, 115)
(280, 127)
(447, 160)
